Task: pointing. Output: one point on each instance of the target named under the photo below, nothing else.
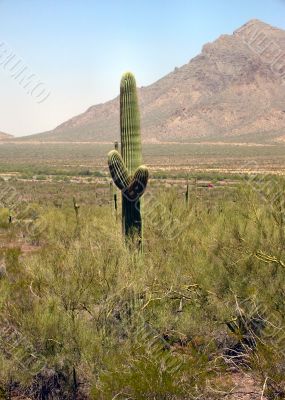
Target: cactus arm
(138, 184)
(118, 170)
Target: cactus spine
(126, 170)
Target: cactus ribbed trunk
(131, 150)
(130, 124)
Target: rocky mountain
(233, 91)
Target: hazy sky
(78, 49)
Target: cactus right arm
(138, 184)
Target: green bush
(4, 218)
(154, 326)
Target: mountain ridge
(231, 90)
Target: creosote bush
(86, 316)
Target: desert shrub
(40, 177)
(4, 218)
(106, 322)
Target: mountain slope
(5, 136)
(231, 91)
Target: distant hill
(233, 91)
(5, 136)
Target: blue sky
(79, 49)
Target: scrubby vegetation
(84, 317)
(80, 158)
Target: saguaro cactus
(126, 170)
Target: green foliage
(4, 218)
(153, 326)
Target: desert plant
(116, 204)
(126, 170)
(76, 207)
(187, 194)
